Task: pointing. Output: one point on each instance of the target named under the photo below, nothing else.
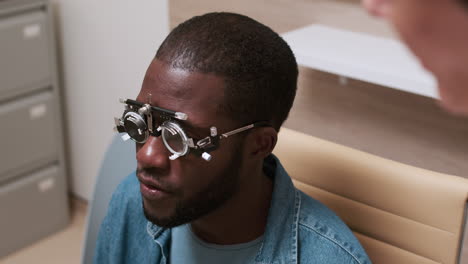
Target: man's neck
(241, 219)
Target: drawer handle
(46, 184)
(31, 31)
(37, 111)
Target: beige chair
(401, 214)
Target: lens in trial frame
(174, 138)
(136, 127)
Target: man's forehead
(181, 83)
(164, 80)
(197, 94)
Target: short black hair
(258, 66)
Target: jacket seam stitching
(334, 241)
(298, 203)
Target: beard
(207, 200)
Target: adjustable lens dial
(136, 127)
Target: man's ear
(262, 141)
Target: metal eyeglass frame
(135, 127)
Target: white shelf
(360, 56)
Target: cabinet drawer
(28, 133)
(24, 54)
(31, 208)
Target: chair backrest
(119, 161)
(400, 214)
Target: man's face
(178, 191)
(436, 31)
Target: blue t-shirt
(187, 248)
(299, 229)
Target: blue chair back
(119, 161)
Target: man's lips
(153, 194)
(153, 185)
(152, 189)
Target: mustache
(155, 175)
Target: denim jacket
(299, 229)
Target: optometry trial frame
(139, 121)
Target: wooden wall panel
(286, 15)
(390, 123)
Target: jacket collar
(162, 237)
(281, 235)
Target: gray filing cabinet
(33, 193)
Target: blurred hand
(380, 8)
(435, 31)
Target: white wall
(106, 46)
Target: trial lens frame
(135, 127)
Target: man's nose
(153, 154)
